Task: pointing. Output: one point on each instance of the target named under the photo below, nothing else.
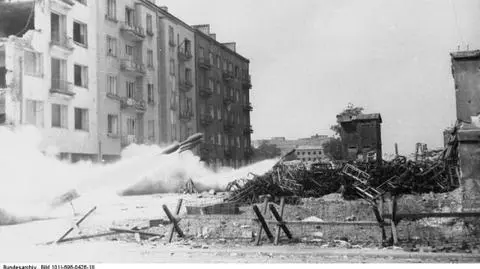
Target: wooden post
(396, 150)
(264, 225)
(78, 223)
(174, 221)
(280, 225)
(265, 208)
(393, 223)
(378, 211)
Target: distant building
(286, 145)
(361, 136)
(465, 68)
(310, 153)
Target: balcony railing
(64, 42)
(184, 54)
(134, 32)
(248, 130)
(247, 83)
(206, 119)
(61, 86)
(150, 31)
(227, 76)
(128, 65)
(186, 115)
(139, 105)
(248, 107)
(204, 63)
(206, 92)
(228, 100)
(185, 84)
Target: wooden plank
(330, 223)
(282, 207)
(400, 216)
(280, 224)
(259, 233)
(83, 237)
(77, 223)
(393, 221)
(121, 230)
(263, 223)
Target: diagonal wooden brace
(174, 221)
(76, 225)
(263, 224)
(280, 225)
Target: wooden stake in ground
(263, 224)
(174, 221)
(76, 224)
(393, 222)
(260, 227)
(378, 211)
(278, 217)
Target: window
(210, 57)
(219, 87)
(150, 94)
(129, 51)
(111, 46)
(81, 119)
(81, 76)
(150, 58)
(33, 63)
(149, 24)
(131, 126)
(59, 74)
(188, 75)
(201, 52)
(188, 47)
(112, 125)
(172, 67)
(129, 16)
(35, 113)
(151, 130)
(171, 35)
(130, 86)
(219, 61)
(219, 113)
(224, 64)
(112, 84)
(58, 28)
(211, 84)
(112, 9)
(237, 95)
(80, 33)
(59, 116)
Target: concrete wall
(466, 75)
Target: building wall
(361, 137)
(224, 117)
(38, 87)
(173, 98)
(467, 86)
(286, 145)
(111, 65)
(313, 154)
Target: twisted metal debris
(436, 171)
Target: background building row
(96, 76)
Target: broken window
(130, 86)
(150, 94)
(111, 46)
(149, 24)
(112, 124)
(58, 28)
(129, 17)
(59, 116)
(81, 76)
(81, 119)
(112, 84)
(112, 9)
(33, 63)
(80, 33)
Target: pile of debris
(358, 179)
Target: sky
(310, 58)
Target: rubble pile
(437, 173)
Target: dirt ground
(204, 243)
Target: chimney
(204, 28)
(231, 45)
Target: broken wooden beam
(76, 224)
(263, 224)
(121, 230)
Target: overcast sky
(310, 58)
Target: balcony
(204, 63)
(63, 43)
(227, 76)
(130, 103)
(62, 4)
(248, 107)
(206, 92)
(127, 140)
(149, 31)
(132, 32)
(228, 127)
(184, 54)
(206, 119)
(248, 130)
(185, 85)
(186, 115)
(227, 100)
(247, 83)
(131, 67)
(113, 96)
(63, 87)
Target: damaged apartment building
(97, 76)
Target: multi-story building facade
(223, 107)
(47, 54)
(128, 69)
(176, 78)
(286, 145)
(310, 153)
